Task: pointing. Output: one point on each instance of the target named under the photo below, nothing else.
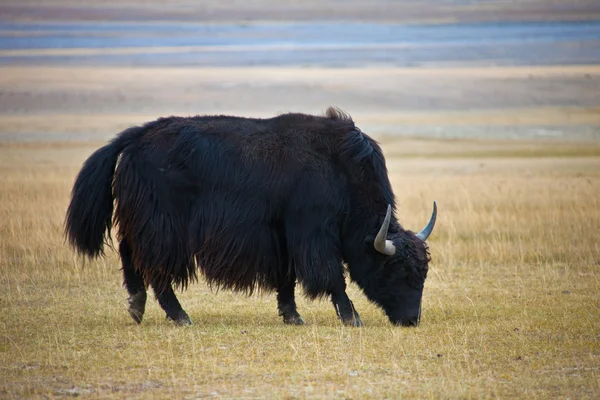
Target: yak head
(403, 259)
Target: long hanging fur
(246, 201)
(154, 218)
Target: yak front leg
(344, 308)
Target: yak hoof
(355, 322)
(293, 320)
(137, 306)
(182, 319)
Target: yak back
(251, 202)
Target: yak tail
(89, 216)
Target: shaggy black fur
(251, 203)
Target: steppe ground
(511, 304)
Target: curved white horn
(424, 234)
(381, 243)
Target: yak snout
(407, 318)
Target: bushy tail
(89, 216)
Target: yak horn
(424, 234)
(382, 244)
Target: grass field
(511, 306)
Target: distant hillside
(405, 11)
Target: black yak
(251, 203)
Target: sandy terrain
(95, 103)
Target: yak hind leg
(344, 308)
(286, 302)
(134, 283)
(170, 304)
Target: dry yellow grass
(511, 305)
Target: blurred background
(492, 108)
(436, 68)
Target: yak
(252, 204)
